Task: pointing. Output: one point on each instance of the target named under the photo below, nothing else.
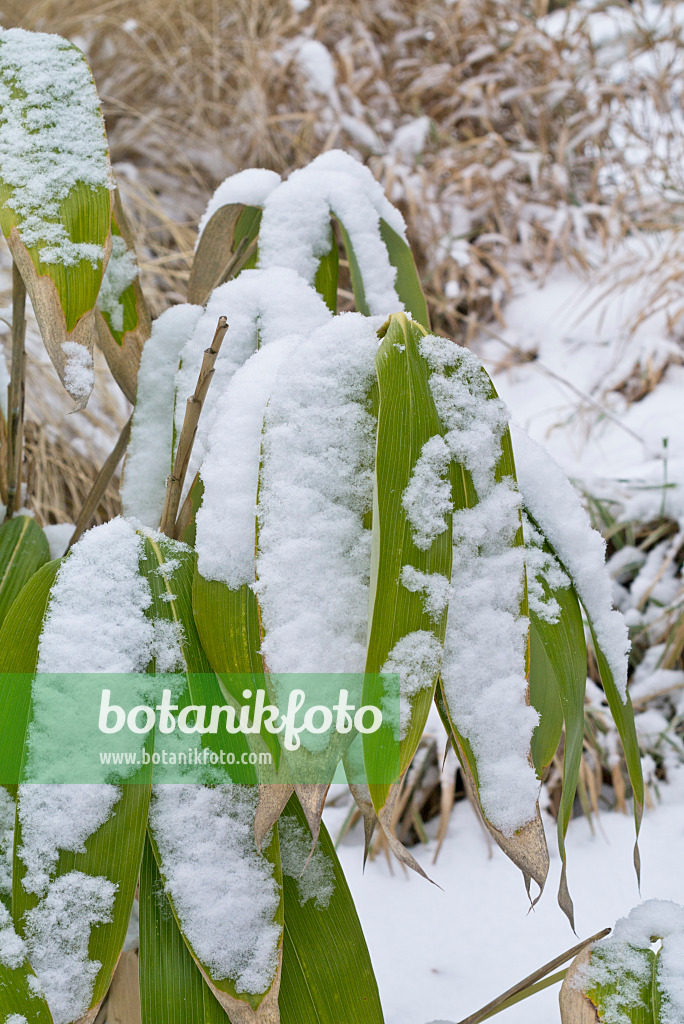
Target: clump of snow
(542, 568)
(226, 522)
(121, 272)
(95, 620)
(51, 137)
(249, 188)
(313, 871)
(622, 960)
(79, 376)
(57, 935)
(313, 558)
(7, 817)
(415, 659)
(556, 507)
(427, 497)
(261, 307)
(12, 949)
(16, 1018)
(58, 817)
(295, 227)
(150, 449)
(410, 139)
(317, 64)
(226, 914)
(483, 665)
(434, 589)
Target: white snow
(434, 589)
(79, 376)
(16, 1018)
(58, 536)
(223, 891)
(555, 505)
(57, 935)
(542, 568)
(313, 871)
(483, 666)
(7, 816)
(415, 659)
(295, 227)
(313, 558)
(51, 137)
(317, 64)
(121, 272)
(427, 497)
(12, 950)
(410, 139)
(249, 188)
(150, 451)
(226, 522)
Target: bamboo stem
(193, 409)
(100, 484)
(15, 395)
(531, 980)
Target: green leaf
(172, 989)
(16, 997)
(19, 638)
(23, 549)
(407, 282)
(407, 419)
(327, 276)
(226, 246)
(354, 272)
(327, 973)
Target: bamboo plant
(425, 546)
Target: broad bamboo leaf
(123, 319)
(544, 699)
(23, 549)
(327, 276)
(407, 421)
(327, 973)
(242, 1007)
(19, 638)
(407, 281)
(354, 272)
(172, 989)
(226, 246)
(17, 996)
(55, 193)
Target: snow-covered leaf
(327, 973)
(55, 193)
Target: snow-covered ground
(441, 954)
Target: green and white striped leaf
(123, 320)
(24, 549)
(172, 989)
(407, 420)
(55, 196)
(327, 974)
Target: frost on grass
(150, 450)
(12, 949)
(223, 890)
(79, 377)
(7, 817)
(622, 960)
(434, 589)
(555, 505)
(261, 307)
(51, 138)
(295, 227)
(16, 1018)
(427, 497)
(249, 188)
(483, 665)
(314, 872)
(313, 558)
(57, 935)
(120, 273)
(542, 571)
(415, 659)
